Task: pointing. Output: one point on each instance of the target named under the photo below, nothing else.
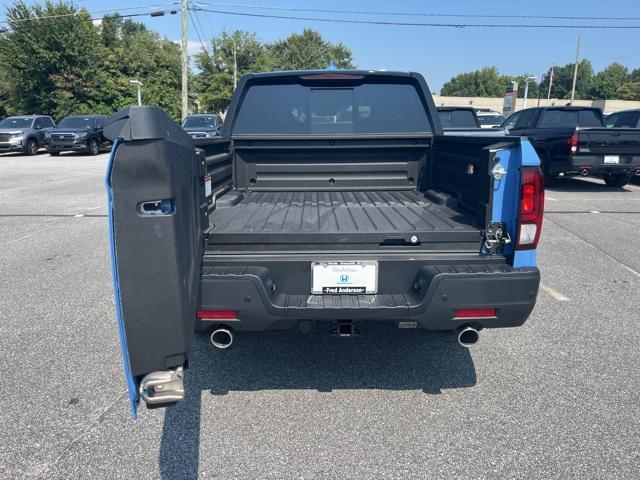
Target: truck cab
(574, 141)
(331, 199)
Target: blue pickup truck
(330, 200)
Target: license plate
(611, 159)
(344, 278)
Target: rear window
(490, 119)
(457, 119)
(570, 119)
(300, 109)
(196, 122)
(623, 119)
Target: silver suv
(24, 133)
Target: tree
(563, 79)
(308, 50)
(605, 83)
(214, 83)
(50, 65)
(486, 82)
(141, 55)
(629, 91)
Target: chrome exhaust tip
(221, 338)
(468, 336)
(584, 172)
(637, 173)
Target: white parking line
(554, 293)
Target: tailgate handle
(156, 207)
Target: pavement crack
(74, 441)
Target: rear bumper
(596, 166)
(436, 292)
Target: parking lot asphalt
(556, 398)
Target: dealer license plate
(612, 159)
(344, 278)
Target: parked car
(574, 141)
(623, 119)
(78, 133)
(24, 133)
(331, 199)
(202, 125)
(489, 118)
(458, 117)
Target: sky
(437, 53)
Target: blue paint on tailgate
(132, 386)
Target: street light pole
(526, 90)
(138, 84)
(185, 63)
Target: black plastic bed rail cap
(144, 123)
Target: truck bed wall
(460, 167)
(455, 165)
(330, 165)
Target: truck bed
(375, 218)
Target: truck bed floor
(380, 217)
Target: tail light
(217, 314)
(531, 208)
(331, 76)
(475, 313)
(573, 142)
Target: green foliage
(606, 82)
(563, 80)
(214, 83)
(629, 91)
(615, 81)
(308, 50)
(49, 65)
(65, 65)
(486, 82)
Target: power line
(418, 24)
(202, 30)
(408, 14)
(195, 27)
(81, 12)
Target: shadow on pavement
(383, 357)
(576, 184)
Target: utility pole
(185, 63)
(575, 71)
(550, 83)
(235, 66)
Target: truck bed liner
(380, 217)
